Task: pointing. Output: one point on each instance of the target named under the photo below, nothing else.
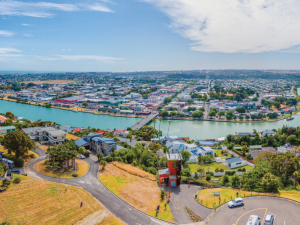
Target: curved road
(91, 183)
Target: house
(97, 143)
(234, 162)
(7, 129)
(285, 148)
(286, 111)
(255, 153)
(78, 129)
(120, 132)
(51, 135)
(66, 128)
(268, 132)
(171, 176)
(2, 119)
(240, 134)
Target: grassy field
(40, 202)
(83, 168)
(212, 166)
(139, 190)
(72, 137)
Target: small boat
(289, 118)
(95, 113)
(74, 111)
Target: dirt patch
(50, 81)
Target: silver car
(269, 219)
(236, 202)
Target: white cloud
(45, 9)
(27, 35)
(231, 26)
(105, 59)
(66, 49)
(9, 52)
(26, 25)
(6, 33)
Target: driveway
(91, 183)
(183, 196)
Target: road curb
(130, 204)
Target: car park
(269, 219)
(253, 220)
(236, 202)
(13, 171)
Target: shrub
(221, 170)
(134, 163)
(196, 175)
(186, 172)
(18, 162)
(74, 175)
(217, 170)
(244, 170)
(152, 170)
(86, 154)
(229, 173)
(208, 177)
(210, 173)
(17, 180)
(225, 179)
(239, 170)
(5, 182)
(162, 194)
(139, 139)
(248, 156)
(108, 159)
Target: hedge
(211, 173)
(18, 162)
(229, 173)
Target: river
(182, 128)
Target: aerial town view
(149, 112)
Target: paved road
(92, 184)
(286, 211)
(183, 196)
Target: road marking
(248, 212)
(264, 216)
(274, 218)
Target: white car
(81, 157)
(253, 220)
(236, 202)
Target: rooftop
(232, 160)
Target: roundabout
(286, 212)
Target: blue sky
(143, 35)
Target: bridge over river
(144, 121)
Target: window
(238, 163)
(174, 165)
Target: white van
(253, 220)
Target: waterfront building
(7, 129)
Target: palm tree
(113, 148)
(154, 121)
(296, 176)
(169, 122)
(160, 119)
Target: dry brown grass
(142, 193)
(82, 165)
(45, 147)
(42, 202)
(50, 81)
(134, 170)
(72, 137)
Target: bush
(210, 173)
(221, 170)
(162, 194)
(139, 139)
(86, 154)
(244, 170)
(196, 175)
(108, 159)
(74, 175)
(208, 177)
(18, 162)
(5, 182)
(186, 172)
(239, 170)
(217, 170)
(17, 180)
(225, 179)
(134, 163)
(152, 170)
(248, 156)
(229, 173)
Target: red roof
(184, 138)
(287, 109)
(77, 129)
(2, 119)
(100, 132)
(119, 130)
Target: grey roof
(232, 160)
(164, 171)
(81, 142)
(255, 153)
(105, 140)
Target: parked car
(13, 171)
(81, 157)
(269, 219)
(2, 189)
(236, 202)
(253, 220)
(89, 151)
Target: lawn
(41, 202)
(212, 166)
(72, 137)
(206, 198)
(219, 154)
(136, 187)
(83, 168)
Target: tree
(229, 115)
(221, 113)
(212, 113)
(154, 121)
(208, 177)
(113, 148)
(185, 156)
(296, 177)
(169, 122)
(18, 142)
(277, 105)
(202, 109)
(103, 164)
(255, 99)
(99, 156)
(164, 113)
(10, 115)
(235, 180)
(159, 107)
(154, 146)
(247, 117)
(85, 104)
(225, 179)
(244, 148)
(253, 117)
(269, 183)
(160, 119)
(167, 100)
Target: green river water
(182, 128)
